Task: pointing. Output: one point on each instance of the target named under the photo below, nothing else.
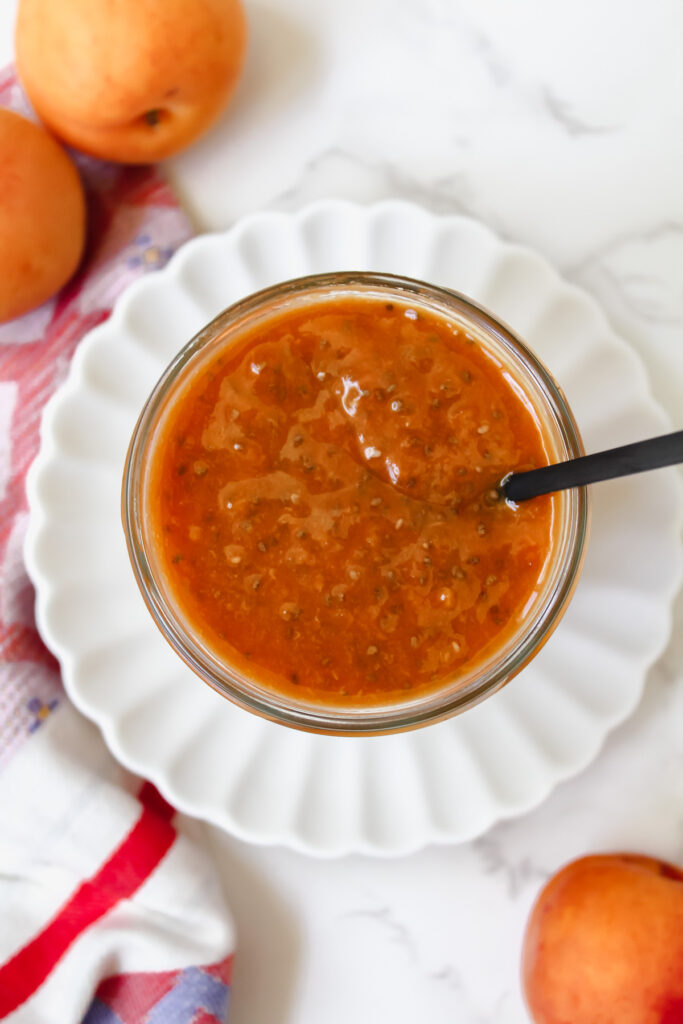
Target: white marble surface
(560, 128)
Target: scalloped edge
(39, 518)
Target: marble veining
(560, 110)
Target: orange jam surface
(322, 502)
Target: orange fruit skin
(133, 81)
(42, 216)
(604, 944)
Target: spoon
(665, 450)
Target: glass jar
(472, 683)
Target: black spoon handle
(631, 458)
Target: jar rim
(436, 704)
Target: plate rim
(43, 585)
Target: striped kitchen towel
(108, 913)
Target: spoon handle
(630, 458)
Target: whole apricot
(604, 944)
(133, 81)
(42, 216)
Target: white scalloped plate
(319, 794)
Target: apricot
(133, 81)
(42, 216)
(604, 944)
